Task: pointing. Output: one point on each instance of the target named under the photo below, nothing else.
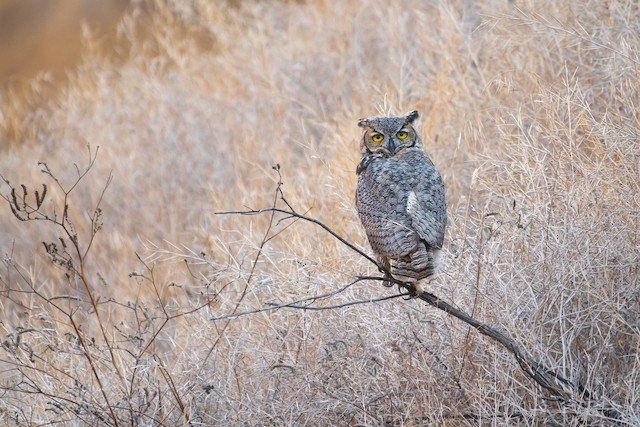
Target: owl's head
(387, 135)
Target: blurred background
(46, 36)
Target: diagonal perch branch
(554, 383)
(557, 385)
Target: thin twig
(346, 304)
(274, 306)
(249, 279)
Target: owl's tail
(419, 265)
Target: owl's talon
(413, 292)
(409, 295)
(386, 280)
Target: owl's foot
(414, 290)
(386, 283)
(384, 266)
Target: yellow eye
(377, 137)
(402, 134)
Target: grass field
(150, 314)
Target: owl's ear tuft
(363, 123)
(411, 117)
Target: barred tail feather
(419, 265)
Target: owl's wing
(428, 214)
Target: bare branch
(296, 304)
(308, 219)
(346, 304)
(554, 383)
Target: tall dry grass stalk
(530, 113)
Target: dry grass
(529, 111)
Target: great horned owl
(400, 198)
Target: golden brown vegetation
(530, 113)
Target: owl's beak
(392, 146)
